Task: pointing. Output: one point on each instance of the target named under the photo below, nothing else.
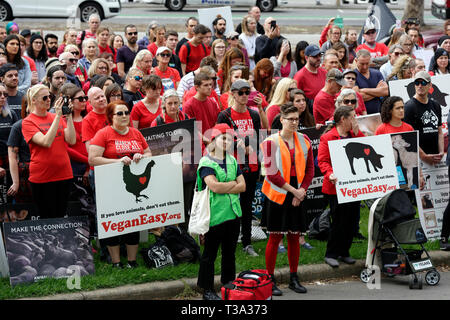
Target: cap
(336, 75)
(240, 84)
(52, 62)
(423, 75)
(162, 49)
(442, 39)
(219, 129)
(232, 34)
(346, 71)
(440, 52)
(25, 32)
(369, 26)
(312, 50)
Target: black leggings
(51, 198)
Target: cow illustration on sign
(360, 150)
(135, 184)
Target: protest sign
(368, 124)
(364, 167)
(141, 196)
(441, 85)
(207, 16)
(433, 199)
(48, 248)
(406, 154)
(258, 201)
(4, 272)
(316, 202)
(425, 55)
(176, 137)
(18, 212)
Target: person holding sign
(289, 164)
(221, 173)
(344, 126)
(119, 142)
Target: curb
(169, 289)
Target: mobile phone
(273, 24)
(65, 107)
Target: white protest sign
(439, 92)
(140, 196)
(433, 199)
(425, 55)
(364, 167)
(4, 270)
(207, 16)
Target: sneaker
(444, 245)
(210, 295)
(250, 251)
(117, 265)
(332, 262)
(282, 249)
(307, 246)
(347, 260)
(132, 265)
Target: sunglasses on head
(81, 99)
(122, 113)
(421, 82)
(349, 101)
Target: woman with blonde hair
(73, 49)
(47, 134)
(143, 61)
(218, 49)
(281, 96)
(100, 67)
(90, 53)
(402, 68)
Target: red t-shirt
(310, 83)
(117, 145)
(388, 128)
(167, 119)
(204, 111)
(92, 123)
(106, 49)
(197, 53)
(78, 151)
(271, 112)
(323, 107)
(152, 47)
(47, 164)
(193, 91)
(380, 49)
(169, 78)
(141, 113)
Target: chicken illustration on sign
(135, 184)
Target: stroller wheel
(415, 280)
(432, 277)
(365, 275)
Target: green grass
(106, 277)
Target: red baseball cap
(221, 128)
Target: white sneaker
(250, 251)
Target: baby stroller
(391, 225)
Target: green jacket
(224, 207)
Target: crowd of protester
(244, 81)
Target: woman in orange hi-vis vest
(289, 165)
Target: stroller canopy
(394, 208)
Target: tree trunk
(414, 9)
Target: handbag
(200, 212)
(249, 285)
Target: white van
(10, 9)
(177, 5)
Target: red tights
(293, 251)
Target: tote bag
(200, 212)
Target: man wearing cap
(246, 123)
(266, 45)
(376, 49)
(370, 82)
(311, 78)
(323, 107)
(425, 115)
(171, 43)
(9, 76)
(169, 76)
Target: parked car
(177, 5)
(10, 9)
(440, 9)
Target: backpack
(320, 226)
(188, 46)
(157, 256)
(249, 285)
(181, 245)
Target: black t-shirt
(426, 118)
(5, 128)
(131, 98)
(15, 104)
(16, 140)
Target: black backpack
(181, 245)
(319, 228)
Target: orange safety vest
(283, 164)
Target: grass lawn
(106, 277)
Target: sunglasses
(72, 60)
(75, 53)
(132, 33)
(81, 99)
(45, 98)
(234, 38)
(122, 113)
(398, 53)
(165, 55)
(421, 82)
(371, 32)
(137, 78)
(246, 92)
(4, 94)
(349, 101)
